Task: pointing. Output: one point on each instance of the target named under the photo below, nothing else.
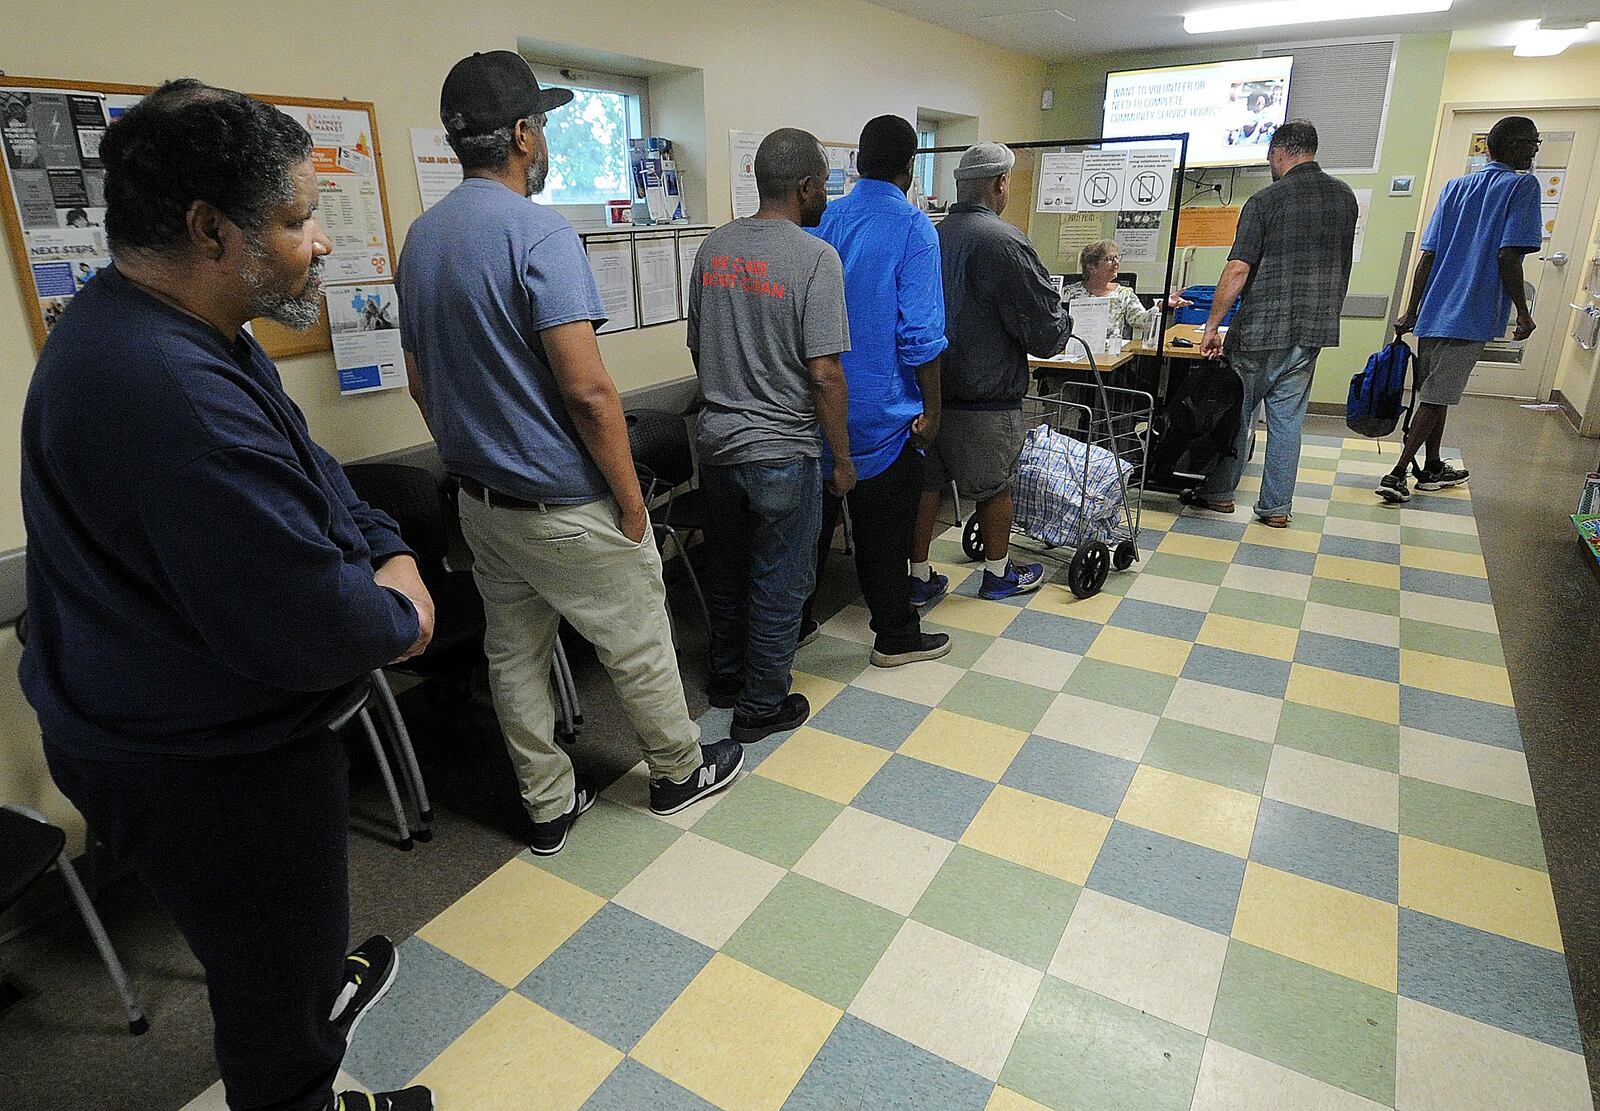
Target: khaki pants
(536, 566)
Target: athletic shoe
(722, 762)
(922, 593)
(368, 972)
(790, 714)
(1441, 478)
(416, 1098)
(549, 837)
(809, 632)
(1017, 580)
(723, 690)
(1392, 488)
(930, 646)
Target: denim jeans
(761, 546)
(1281, 379)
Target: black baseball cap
(489, 91)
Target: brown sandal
(1277, 520)
(1192, 497)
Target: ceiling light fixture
(1549, 37)
(1248, 17)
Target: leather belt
(495, 498)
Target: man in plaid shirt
(1291, 263)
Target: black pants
(249, 855)
(883, 512)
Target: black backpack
(1200, 421)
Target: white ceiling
(1057, 29)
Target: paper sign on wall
(1552, 179)
(1363, 210)
(1138, 234)
(688, 248)
(1548, 213)
(364, 321)
(1059, 179)
(1103, 180)
(1078, 230)
(658, 279)
(1148, 180)
(1208, 227)
(742, 172)
(438, 168)
(612, 263)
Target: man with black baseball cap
(498, 325)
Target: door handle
(1557, 259)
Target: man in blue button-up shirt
(894, 295)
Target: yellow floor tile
(1295, 540)
(515, 1050)
(1255, 637)
(1353, 935)
(1198, 547)
(1464, 678)
(964, 744)
(1038, 833)
(1203, 813)
(1004, 1099)
(1249, 484)
(1439, 559)
(507, 925)
(1363, 571)
(818, 691)
(1158, 519)
(834, 767)
(1476, 891)
(737, 1037)
(976, 615)
(1132, 648)
(1347, 694)
(1355, 495)
(1060, 601)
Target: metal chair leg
(575, 707)
(955, 493)
(388, 779)
(409, 766)
(849, 533)
(694, 580)
(137, 1023)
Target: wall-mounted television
(1229, 109)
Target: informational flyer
(1208, 226)
(1552, 180)
(842, 172)
(742, 171)
(1078, 230)
(1091, 322)
(364, 321)
(1060, 175)
(1139, 236)
(657, 259)
(1148, 181)
(351, 207)
(438, 168)
(1103, 185)
(1363, 210)
(688, 248)
(612, 263)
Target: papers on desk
(1091, 322)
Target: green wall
(1079, 87)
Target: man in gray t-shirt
(766, 326)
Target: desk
(1102, 363)
(1191, 332)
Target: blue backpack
(1377, 393)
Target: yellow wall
(827, 66)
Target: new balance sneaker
(923, 593)
(929, 646)
(1018, 579)
(809, 632)
(723, 690)
(415, 1098)
(1392, 488)
(368, 972)
(549, 837)
(1441, 477)
(790, 714)
(721, 762)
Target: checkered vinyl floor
(1251, 829)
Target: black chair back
(659, 441)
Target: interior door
(1512, 368)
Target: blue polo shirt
(894, 297)
(1477, 215)
(483, 272)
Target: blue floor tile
(1172, 877)
(616, 975)
(1064, 634)
(1069, 774)
(1240, 671)
(1510, 984)
(1152, 617)
(869, 717)
(631, 1087)
(715, 725)
(1466, 718)
(1354, 548)
(1218, 528)
(1323, 441)
(924, 796)
(1353, 657)
(1310, 490)
(1276, 559)
(1329, 850)
(861, 1066)
(1445, 585)
(1441, 503)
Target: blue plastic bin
(1203, 296)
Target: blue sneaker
(923, 593)
(1017, 580)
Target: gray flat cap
(985, 160)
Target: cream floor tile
(1383, 532)
(1351, 935)
(1456, 612)
(950, 997)
(834, 767)
(1172, 592)
(1486, 769)
(926, 682)
(1038, 833)
(1447, 1063)
(875, 859)
(1350, 791)
(1337, 621)
(1160, 965)
(1027, 663)
(1504, 899)
(632, 789)
(1462, 678)
(1319, 451)
(700, 888)
(1439, 522)
(1264, 580)
(1099, 726)
(1362, 466)
(1233, 1080)
(1315, 507)
(1238, 712)
(1202, 813)
(851, 623)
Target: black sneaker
(930, 647)
(1441, 477)
(723, 690)
(549, 837)
(722, 763)
(790, 715)
(415, 1098)
(368, 973)
(1392, 488)
(809, 632)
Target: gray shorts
(978, 449)
(1443, 367)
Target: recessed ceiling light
(1248, 17)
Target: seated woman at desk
(1101, 263)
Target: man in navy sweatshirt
(204, 587)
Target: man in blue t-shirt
(1468, 277)
(500, 312)
(894, 294)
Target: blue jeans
(761, 545)
(1282, 379)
